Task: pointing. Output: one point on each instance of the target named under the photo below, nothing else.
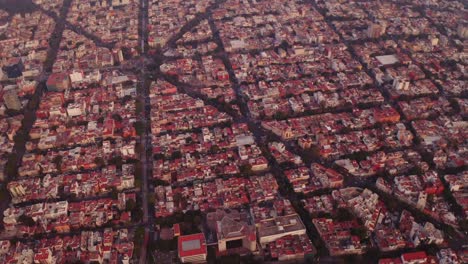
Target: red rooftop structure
(192, 248)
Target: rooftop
(191, 245)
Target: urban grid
(233, 131)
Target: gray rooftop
(191, 245)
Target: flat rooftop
(192, 245)
(280, 225)
(387, 59)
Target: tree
(26, 220)
(4, 195)
(139, 235)
(29, 118)
(230, 259)
(176, 155)
(358, 156)
(139, 107)
(114, 193)
(214, 149)
(197, 220)
(99, 161)
(57, 160)
(280, 115)
(117, 117)
(343, 215)
(177, 199)
(12, 6)
(137, 214)
(416, 170)
(287, 164)
(464, 225)
(117, 161)
(138, 183)
(11, 165)
(138, 170)
(164, 245)
(130, 205)
(158, 182)
(284, 45)
(311, 154)
(246, 169)
(139, 148)
(20, 138)
(12, 112)
(158, 156)
(151, 199)
(139, 127)
(360, 232)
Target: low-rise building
(192, 248)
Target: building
(448, 256)
(192, 248)
(272, 229)
(76, 109)
(375, 30)
(401, 84)
(289, 248)
(16, 189)
(11, 100)
(58, 82)
(44, 256)
(419, 257)
(386, 60)
(233, 230)
(120, 2)
(305, 142)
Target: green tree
(343, 215)
(360, 232)
(57, 160)
(280, 115)
(464, 225)
(114, 193)
(99, 161)
(177, 199)
(138, 170)
(4, 195)
(117, 161)
(229, 259)
(214, 149)
(139, 127)
(11, 166)
(20, 138)
(138, 183)
(140, 107)
(151, 199)
(33, 103)
(176, 155)
(246, 169)
(158, 156)
(26, 220)
(126, 98)
(130, 205)
(137, 214)
(117, 117)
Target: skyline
(233, 131)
